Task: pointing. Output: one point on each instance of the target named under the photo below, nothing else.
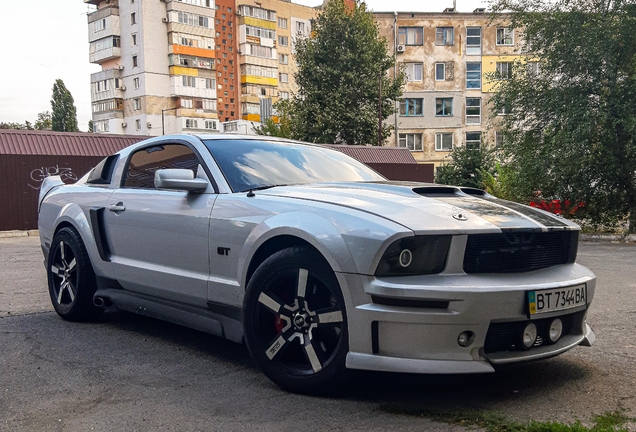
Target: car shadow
(392, 392)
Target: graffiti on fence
(39, 174)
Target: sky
(45, 40)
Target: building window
(283, 77)
(300, 27)
(210, 124)
(138, 124)
(283, 40)
(186, 103)
(283, 58)
(473, 140)
(137, 104)
(189, 81)
(191, 123)
(133, 18)
(282, 23)
(283, 95)
(411, 141)
(443, 141)
(101, 86)
(473, 41)
(440, 71)
(136, 83)
(134, 39)
(100, 24)
(411, 107)
(258, 32)
(134, 59)
(444, 36)
(473, 75)
(504, 36)
(473, 110)
(498, 139)
(414, 71)
(210, 83)
(444, 107)
(411, 36)
(504, 70)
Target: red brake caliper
(279, 323)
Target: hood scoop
(442, 190)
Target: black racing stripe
(497, 215)
(539, 216)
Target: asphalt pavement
(129, 372)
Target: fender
(72, 214)
(334, 242)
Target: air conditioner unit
(120, 67)
(122, 88)
(149, 125)
(299, 33)
(124, 124)
(401, 48)
(239, 13)
(164, 19)
(239, 52)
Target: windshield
(251, 164)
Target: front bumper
(411, 323)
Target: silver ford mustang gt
(314, 260)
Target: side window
(143, 163)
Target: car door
(159, 238)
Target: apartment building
(173, 66)
(448, 58)
(268, 31)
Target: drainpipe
(395, 102)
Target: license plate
(557, 299)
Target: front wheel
(295, 321)
(71, 278)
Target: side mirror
(179, 179)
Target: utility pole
(163, 127)
(380, 109)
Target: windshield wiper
(250, 192)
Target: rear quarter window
(103, 172)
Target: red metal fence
(20, 180)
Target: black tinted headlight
(415, 256)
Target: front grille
(515, 252)
(506, 336)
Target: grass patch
(615, 421)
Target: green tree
(571, 128)
(468, 167)
(282, 128)
(339, 70)
(90, 126)
(44, 121)
(64, 113)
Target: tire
(71, 277)
(295, 322)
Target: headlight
(415, 256)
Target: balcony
(105, 55)
(103, 23)
(105, 49)
(178, 89)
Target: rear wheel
(71, 278)
(295, 321)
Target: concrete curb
(609, 238)
(16, 233)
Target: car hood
(428, 208)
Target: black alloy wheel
(71, 277)
(295, 321)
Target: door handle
(119, 207)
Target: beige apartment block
(447, 57)
(267, 33)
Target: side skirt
(197, 318)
